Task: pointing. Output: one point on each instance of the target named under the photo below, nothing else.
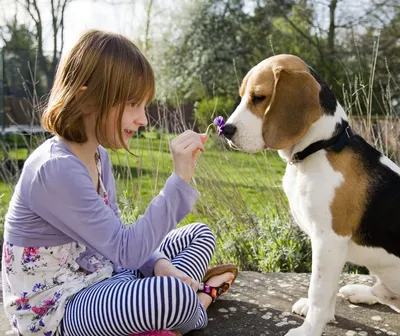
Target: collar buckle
(293, 161)
(348, 132)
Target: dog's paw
(358, 294)
(387, 297)
(301, 307)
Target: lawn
(255, 176)
(142, 175)
(241, 200)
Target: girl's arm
(109, 182)
(62, 193)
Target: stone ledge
(260, 304)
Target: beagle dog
(342, 192)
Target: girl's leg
(191, 248)
(124, 304)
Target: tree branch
(302, 33)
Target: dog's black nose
(229, 131)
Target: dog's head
(279, 103)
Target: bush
(265, 242)
(207, 109)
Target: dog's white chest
(310, 188)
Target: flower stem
(209, 127)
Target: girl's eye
(131, 104)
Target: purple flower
(38, 286)
(48, 333)
(23, 302)
(30, 254)
(220, 123)
(33, 329)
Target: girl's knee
(204, 231)
(209, 235)
(186, 293)
(188, 304)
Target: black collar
(337, 142)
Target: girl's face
(133, 117)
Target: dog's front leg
(329, 252)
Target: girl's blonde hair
(114, 71)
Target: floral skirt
(39, 281)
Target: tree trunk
(330, 56)
(48, 67)
(148, 19)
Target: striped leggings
(128, 303)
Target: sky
(128, 19)
(84, 14)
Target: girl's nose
(142, 119)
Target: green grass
(15, 154)
(254, 176)
(5, 191)
(241, 200)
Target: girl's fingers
(204, 138)
(185, 135)
(194, 146)
(188, 142)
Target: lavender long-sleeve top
(55, 203)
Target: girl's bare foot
(215, 281)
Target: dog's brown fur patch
(293, 109)
(260, 80)
(291, 104)
(350, 200)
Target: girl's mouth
(128, 133)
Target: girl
(69, 265)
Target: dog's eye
(257, 99)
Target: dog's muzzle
(228, 131)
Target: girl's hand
(164, 267)
(185, 148)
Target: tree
(21, 75)
(222, 40)
(341, 39)
(57, 10)
(212, 52)
(377, 62)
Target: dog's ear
(294, 107)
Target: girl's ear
(78, 95)
(80, 91)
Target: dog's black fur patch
(380, 224)
(327, 98)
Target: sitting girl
(69, 265)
